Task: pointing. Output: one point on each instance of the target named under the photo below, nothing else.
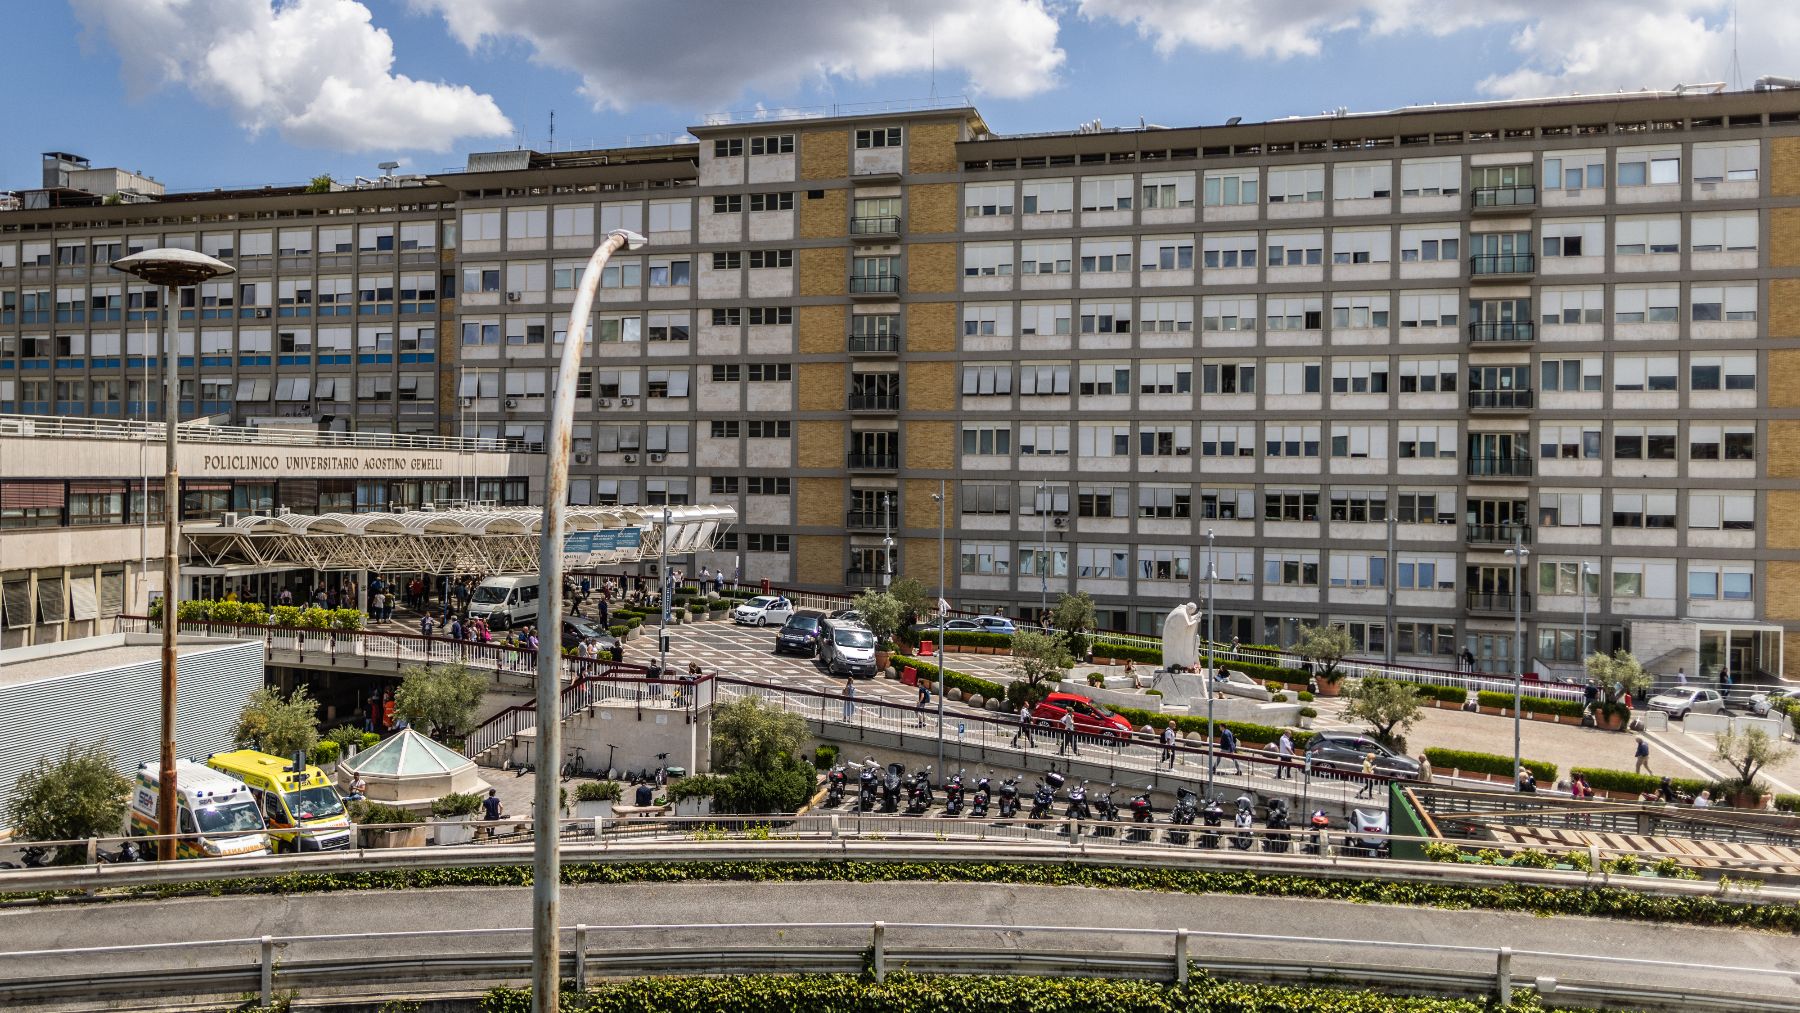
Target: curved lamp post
(172, 269)
(546, 830)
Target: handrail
(62, 426)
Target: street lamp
(943, 617)
(1212, 574)
(1581, 649)
(1043, 554)
(546, 959)
(887, 544)
(1518, 553)
(171, 269)
(1388, 579)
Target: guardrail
(77, 427)
(265, 964)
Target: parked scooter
(1187, 809)
(834, 786)
(130, 851)
(1143, 814)
(1214, 817)
(1009, 797)
(1244, 821)
(1077, 809)
(978, 807)
(890, 787)
(1369, 829)
(953, 796)
(32, 857)
(1320, 825)
(1106, 812)
(869, 785)
(1045, 796)
(1277, 841)
(918, 792)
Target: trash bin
(672, 773)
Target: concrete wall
(637, 735)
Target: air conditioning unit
(1061, 522)
(603, 402)
(626, 402)
(512, 402)
(630, 458)
(581, 458)
(262, 314)
(229, 518)
(514, 296)
(658, 458)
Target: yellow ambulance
(217, 815)
(303, 810)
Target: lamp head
(633, 241)
(172, 268)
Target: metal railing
(1491, 264)
(873, 462)
(1497, 601)
(876, 343)
(1499, 467)
(1514, 399)
(1498, 534)
(866, 520)
(74, 427)
(874, 284)
(874, 402)
(1503, 330)
(879, 225)
(1484, 198)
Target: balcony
(863, 578)
(874, 344)
(1502, 198)
(1502, 265)
(1514, 400)
(874, 286)
(1500, 467)
(1502, 602)
(1497, 534)
(873, 462)
(1506, 331)
(874, 402)
(882, 228)
(872, 520)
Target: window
(1228, 505)
(1044, 440)
(1714, 581)
(1044, 318)
(1292, 185)
(672, 439)
(990, 441)
(1430, 309)
(1637, 237)
(666, 383)
(985, 558)
(1413, 507)
(1728, 442)
(1362, 180)
(1427, 376)
(1430, 243)
(1564, 577)
(1575, 170)
(1166, 316)
(728, 147)
(1296, 249)
(1227, 440)
(668, 326)
(1644, 442)
(1349, 570)
(1648, 167)
(1294, 313)
(774, 144)
(771, 372)
(987, 200)
(1430, 177)
(1735, 232)
(1102, 561)
(781, 201)
(671, 215)
(769, 429)
(1365, 441)
(1291, 441)
(1359, 246)
(727, 203)
(987, 498)
(1043, 379)
(1165, 441)
(725, 429)
(727, 317)
(983, 381)
(666, 272)
(1046, 196)
(1228, 378)
(1228, 251)
(1167, 253)
(1106, 193)
(1104, 378)
(771, 315)
(477, 226)
(1636, 305)
(1105, 256)
(1572, 305)
(1573, 238)
(1728, 511)
(627, 273)
(572, 221)
(726, 373)
(1569, 442)
(1290, 569)
(722, 261)
(1722, 372)
(987, 259)
(1570, 375)
(987, 320)
(1165, 378)
(1292, 377)
(1358, 506)
(1718, 163)
(1723, 302)
(1164, 562)
(878, 137)
(1359, 376)
(1646, 373)
(1106, 439)
(757, 542)
(1427, 441)
(1106, 318)
(1228, 313)
(1175, 190)
(1230, 188)
(1044, 256)
(524, 223)
(1361, 311)
(620, 328)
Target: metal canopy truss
(453, 541)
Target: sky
(240, 93)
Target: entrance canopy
(453, 541)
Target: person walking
(1068, 729)
(924, 699)
(1024, 726)
(491, 811)
(425, 625)
(1681, 676)
(1643, 756)
(1368, 771)
(849, 696)
(1284, 750)
(1227, 747)
(1168, 746)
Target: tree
(282, 727)
(1748, 751)
(1619, 669)
(321, 184)
(747, 735)
(1390, 707)
(443, 700)
(80, 795)
(915, 601)
(1038, 660)
(881, 614)
(1324, 646)
(1074, 615)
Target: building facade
(1366, 354)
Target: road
(700, 904)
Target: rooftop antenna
(933, 36)
(552, 130)
(1737, 69)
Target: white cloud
(315, 71)
(1573, 45)
(709, 53)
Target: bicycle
(573, 767)
(662, 769)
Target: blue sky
(224, 93)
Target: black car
(1344, 751)
(576, 631)
(800, 634)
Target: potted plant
(596, 798)
(693, 796)
(449, 816)
(364, 813)
(881, 613)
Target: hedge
(1448, 694)
(1488, 763)
(971, 638)
(1245, 731)
(1603, 901)
(1268, 673)
(902, 992)
(1111, 649)
(1637, 784)
(1788, 803)
(1530, 704)
(951, 677)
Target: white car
(763, 610)
(1761, 704)
(1679, 703)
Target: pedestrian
(387, 710)
(1468, 660)
(1068, 729)
(1590, 695)
(1681, 676)
(1168, 746)
(1227, 747)
(492, 810)
(705, 577)
(286, 597)
(1131, 671)
(1368, 770)
(1703, 800)
(1425, 770)
(849, 697)
(425, 625)
(719, 581)
(924, 698)
(456, 628)
(375, 606)
(1643, 756)
(603, 612)
(1284, 750)
(1024, 726)
(618, 651)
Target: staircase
(621, 683)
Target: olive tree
(78, 795)
(881, 613)
(442, 699)
(1039, 660)
(1390, 707)
(748, 735)
(1748, 751)
(1324, 646)
(1618, 672)
(283, 726)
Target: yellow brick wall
(1790, 651)
(1784, 237)
(931, 327)
(1784, 449)
(919, 559)
(931, 267)
(821, 386)
(824, 271)
(1781, 591)
(930, 445)
(931, 147)
(931, 208)
(821, 502)
(1784, 167)
(824, 218)
(931, 386)
(920, 510)
(1784, 378)
(822, 329)
(821, 444)
(824, 154)
(819, 559)
(1784, 308)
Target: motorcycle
(1276, 841)
(1320, 824)
(834, 786)
(978, 808)
(918, 794)
(1106, 812)
(869, 785)
(1009, 797)
(1213, 816)
(890, 787)
(32, 857)
(953, 795)
(1077, 809)
(1143, 814)
(130, 851)
(1186, 810)
(1045, 796)
(1244, 821)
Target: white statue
(1180, 647)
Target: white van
(217, 814)
(507, 600)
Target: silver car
(1679, 703)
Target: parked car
(1679, 703)
(995, 624)
(846, 648)
(763, 610)
(577, 631)
(979, 624)
(848, 615)
(1090, 717)
(1763, 703)
(1344, 751)
(800, 634)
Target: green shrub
(1309, 712)
(285, 616)
(975, 638)
(825, 756)
(458, 805)
(599, 791)
(618, 630)
(370, 739)
(696, 786)
(1637, 784)
(1268, 673)
(1532, 860)
(1246, 732)
(1449, 694)
(781, 790)
(967, 683)
(1529, 704)
(1788, 803)
(1304, 697)
(1488, 763)
(365, 812)
(325, 753)
(1103, 648)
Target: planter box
(1329, 687)
(590, 810)
(1491, 711)
(694, 806)
(412, 837)
(452, 831)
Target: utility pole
(1212, 573)
(887, 544)
(1388, 579)
(943, 617)
(1518, 553)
